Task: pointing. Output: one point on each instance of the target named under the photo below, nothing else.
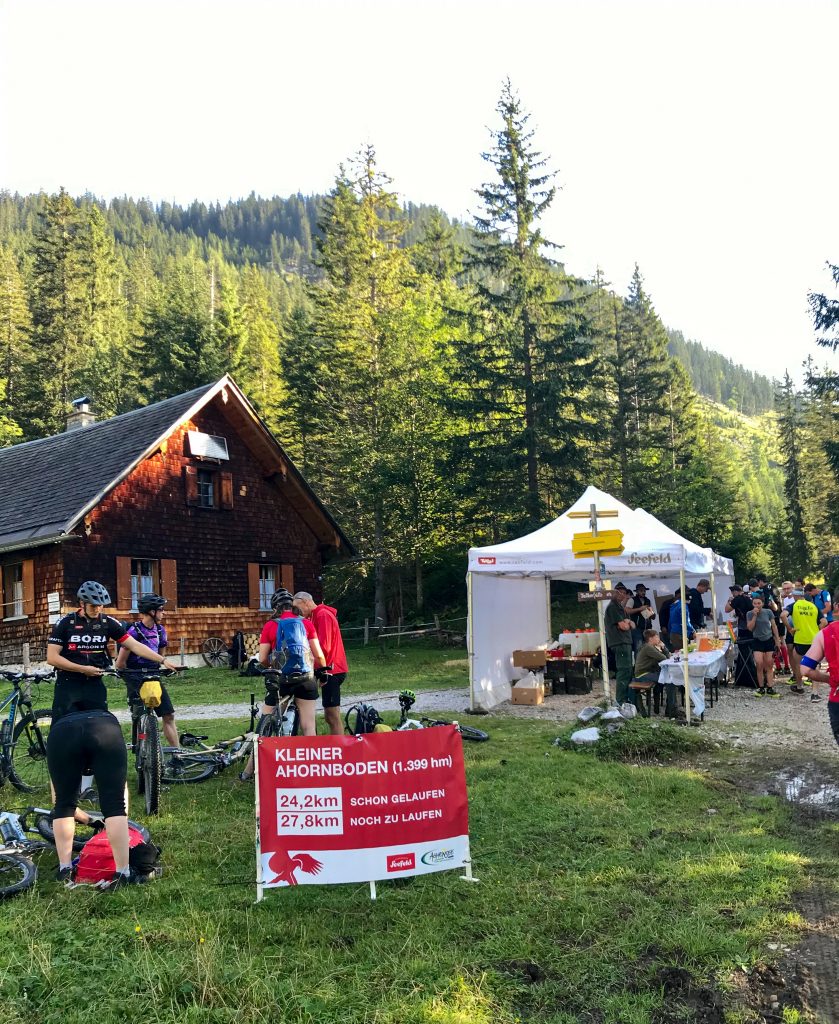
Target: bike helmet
(150, 603)
(92, 592)
(281, 599)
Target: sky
(695, 138)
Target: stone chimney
(81, 416)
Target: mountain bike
(407, 699)
(23, 734)
(195, 761)
(145, 738)
(39, 820)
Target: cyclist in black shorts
(84, 735)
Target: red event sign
(360, 808)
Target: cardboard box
(530, 659)
(528, 694)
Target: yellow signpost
(593, 545)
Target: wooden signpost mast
(595, 544)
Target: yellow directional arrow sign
(610, 541)
(609, 552)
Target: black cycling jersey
(84, 642)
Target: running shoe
(771, 692)
(64, 874)
(760, 692)
(807, 682)
(814, 698)
(797, 689)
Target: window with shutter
(191, 486)
(253, 585)
(169, 582)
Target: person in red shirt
(305, 696)
(324, 618)
(825, 646)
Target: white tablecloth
(702, 665)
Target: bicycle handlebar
(147, 673)
(19, 677)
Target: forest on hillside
(440, 385)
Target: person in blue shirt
(675, 624)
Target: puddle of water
(807, 788)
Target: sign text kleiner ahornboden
(361, 808)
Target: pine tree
(524, 376)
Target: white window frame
(206, 488)
(13, 592)
(145, 572)
(268, 576)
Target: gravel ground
(738, 717)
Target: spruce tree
(525, 375)
(61, 353)
(15, 327)
(791, 543)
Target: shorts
(763, 646)
(81, 743)
(300, 691)
(331, 692)
(802, 648)
(135, 681)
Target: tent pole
(714, 601)
(601, 621)
(685, 670)
(470, 641)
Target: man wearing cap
(619, 641)
(761, 584)
(696, 604)
(640, 610)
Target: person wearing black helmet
(149, 630)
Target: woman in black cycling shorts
(84, 735)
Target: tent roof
(651, 549)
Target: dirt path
(739, 717)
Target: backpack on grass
(96, 861)
(362, 718)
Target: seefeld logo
(486, 560)
(437, 857)
(649, 559)
(401, 862)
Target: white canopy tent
(509, 584)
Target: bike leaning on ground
(407, 699)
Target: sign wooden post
(610, 542)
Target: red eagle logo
(285, 866)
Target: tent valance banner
(336, 809)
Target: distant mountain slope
(718, 378)
(278, 233)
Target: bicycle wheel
(188, 768)
(42, 824)
(151, 761)
(268, 725)
(17, 874)
(28, 753)
(468, 732)
(214, 652)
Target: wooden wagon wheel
(214, 652)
